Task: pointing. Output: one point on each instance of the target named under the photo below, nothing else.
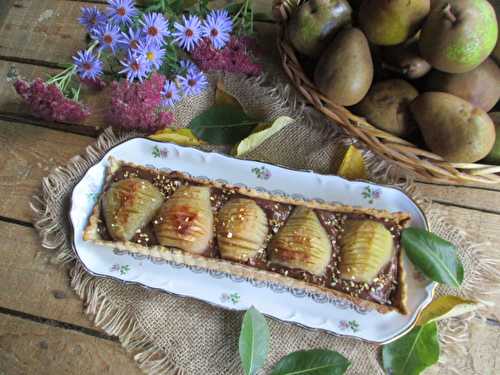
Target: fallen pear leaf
(353, 165)
(262, 132)
(222, 97)
(446, 307)
(182, 137)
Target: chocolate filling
(382, 290)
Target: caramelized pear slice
(241, 229)
(128, 205)
(366, 246)
(185, 220)
(302, 243)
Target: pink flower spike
(139, 105)
(46, 101)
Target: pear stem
(448, 14)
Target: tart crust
(399, 302)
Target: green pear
(315, 23)
(391, 22)
(387, 106)
(458, 35)
(496, 52)
(344, 72)
(452, 127)
(494, 156)
(480, 86)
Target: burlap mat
(172, 335)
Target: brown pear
(452, 127)
(480, 86)
(387, 106)
(494, 155)
(344, 72)
(405, 60)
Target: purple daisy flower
(170, 94)
(121, 12)
(92, 18)
(152, 53)
(132, 39)
(88, 66)
(108, 36)
(186, 65)
(155, 27)
(188, 34)
(217, 27)
(135, 67)
(194, 82)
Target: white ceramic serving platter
(312, 311)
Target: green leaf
(435, 257)
(223, 125)
(254, 341)
(414, 352)
(312, 362)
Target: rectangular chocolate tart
(336, 251)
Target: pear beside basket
(421, 163)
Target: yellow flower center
(150, 56)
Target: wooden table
(42, 326)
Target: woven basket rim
(420, 162)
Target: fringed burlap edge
(50, 221)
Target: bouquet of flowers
(150, 58)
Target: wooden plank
(30, 284)
(27, 347)
(45, 30)
(468, 197)
(29, 153)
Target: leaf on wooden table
(254, 341)
(446, 307)
(223, 124)
(261, 133)
(353, 165)
(182, 137)
(434, 256)
(312, 362)
(412, 353)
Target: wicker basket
(422, 163)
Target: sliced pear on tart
(128, 205)
(366, 246)
(302, 243)
(241, 229)
(185, 220)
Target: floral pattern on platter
(346, 325)
(262, 173)
(371, 194)
(233, 298)
(160, 152)
(121, 269)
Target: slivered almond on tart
(338, 251)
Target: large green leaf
(223, 125)
(312, 362)
(414, 352)
(435, 257)
(254, 341)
